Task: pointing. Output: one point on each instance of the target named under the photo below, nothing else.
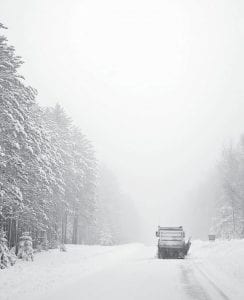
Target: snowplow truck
(171, 242)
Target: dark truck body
(171, 242)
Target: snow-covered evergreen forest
(216, 205)
(51, 184)
(228, 218)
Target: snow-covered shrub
(42, 243)
(53, 244)
(26, 251)
(62, 248)
(7, 258)
(106, 238)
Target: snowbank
(53, 269)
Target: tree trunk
(64, 227)
(75, 230)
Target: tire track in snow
(210, 281)
(192, 287)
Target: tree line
(48, 168)
(216, 205)
(228, 220)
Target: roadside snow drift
(223, 263)
(54, 269)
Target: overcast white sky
(156, 85)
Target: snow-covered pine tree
(74, 167)
(39, 189)
(26, 154)
(7, 257)
(85, 179)
(241, 185)
(229, 209)
(16, 101)
(228, 221)
(59, 124)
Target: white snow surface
(212, 270)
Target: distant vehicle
(171, 242)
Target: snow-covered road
(211, 272)
(142, 279)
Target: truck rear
(171, 242)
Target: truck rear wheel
(160, 254)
